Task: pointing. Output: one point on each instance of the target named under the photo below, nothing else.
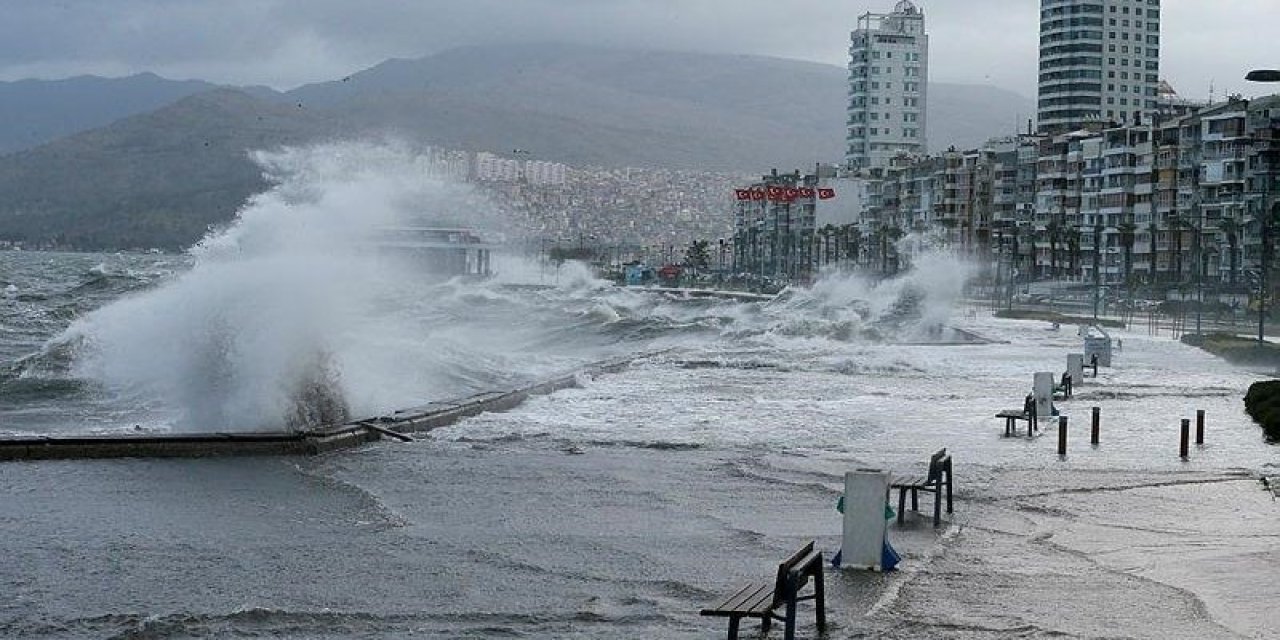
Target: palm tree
(1128, 232)
(698, 255)
(1152, 230)
(1073, 251)
(1175, 225)
(1229, 227)
(1054, 231)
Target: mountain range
(144, 161)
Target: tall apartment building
(888, 87)
(1099, 61)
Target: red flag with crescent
(806, 192)
(757, 194)
(742, 194)
(826, 194)
(777, 193)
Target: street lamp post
(1264, 218)
(1097, 267)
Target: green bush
(1262, 403)
(1235, 349)
(1052, 316)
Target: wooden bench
(758, 600)
(1064, 387)
(939, 475)
(1011, 418)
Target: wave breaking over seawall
(287, 318)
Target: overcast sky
(286, 43)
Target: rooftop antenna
(1211, 92)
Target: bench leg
(790, 633)
(937, 506)
(766, 623)
(733, 627)
(820, 599)
(949, 481)
(902, 504)
(915, 499)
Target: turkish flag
(826, 194)
(792, 193)
(806, 192)
(777, 193)
(742, 194)
(757, 194)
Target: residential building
(1099, 62)
(888, 87)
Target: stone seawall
(194, 445)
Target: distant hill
(34, 112)
(155, 180)
(602, 106)
(160, 178)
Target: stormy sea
(616, 509)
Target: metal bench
(759, 600)
(938, 477)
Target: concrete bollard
(866, 492)
(1075, 367)
(1042, 389)
(1199, 426)
(1062, 435)
(1182, 442)
(1094, 431)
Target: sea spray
(848, 306)
(286, 319)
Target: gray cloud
(284, 43)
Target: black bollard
(1062, 435)
(1186, 432)
(1199, 426)
(1094, 431)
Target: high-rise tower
(1099, 61)
(888, 85)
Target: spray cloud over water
(278, 323)
(847, 306)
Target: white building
(1099, 62)
(888, 87)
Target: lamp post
(1097, 267)
(1264, 218)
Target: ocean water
(613, 510)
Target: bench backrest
(938, 463)
(796, 561)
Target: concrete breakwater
(397, 425)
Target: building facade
(888, 87)
(1099, 62)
